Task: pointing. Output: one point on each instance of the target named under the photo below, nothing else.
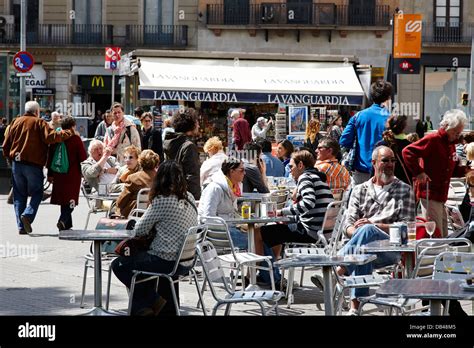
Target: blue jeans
(364, 235)
(145, 295)
(240, 239)
(27, 181)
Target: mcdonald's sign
(97, 81)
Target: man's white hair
(32, 107)
(453, 118)
(93, 145)
(235, 114)
(375, 153)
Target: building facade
(67, 39)
(448, 27)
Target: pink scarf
(117, 132)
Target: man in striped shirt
(307, 214)
(338, 178)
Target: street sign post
(112, 57)
(470, 107)
(23, 61)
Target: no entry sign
(23, 61)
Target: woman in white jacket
(219, 198)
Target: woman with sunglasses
(127, 200)
(219, 198)
(131, 166)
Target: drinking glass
(411, 230)
(467, 261)
(449, 260)
(430, 227)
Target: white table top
(385, 246)
(325, 260)
(427, 289)
(95, 234)
(255, 220)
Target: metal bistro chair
(426, 252)
(333, 221)
(93, 204)
(142, 203)
(187, 257)
(213, 272)
(218, 234)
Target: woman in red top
(66, 186)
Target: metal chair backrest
(426, 251)
(459, 270)
(87, 196)
(329, 221)
(212, 268)
(142, 203)
(187, 256)
(142, 198)
(455, 219)
(218, 234)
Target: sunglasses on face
(386, 160)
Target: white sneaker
(352, 312)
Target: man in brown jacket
(26, 146)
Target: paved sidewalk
(46, 279)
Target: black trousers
(278, 234)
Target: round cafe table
(97, 237)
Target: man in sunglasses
(374, 205)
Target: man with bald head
(374, 205)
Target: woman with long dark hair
(395, 138)
(171, 213)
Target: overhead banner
(251, 81)
(407, 43)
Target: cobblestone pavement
(42, 275)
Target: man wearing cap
(260, 129)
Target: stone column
(58, 76)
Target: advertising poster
(298, 119)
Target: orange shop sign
(407, 36)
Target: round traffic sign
(23, 61)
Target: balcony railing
(315, 14)
(447, 32)
(60, 34)
(170, 36)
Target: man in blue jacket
(368, 125)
